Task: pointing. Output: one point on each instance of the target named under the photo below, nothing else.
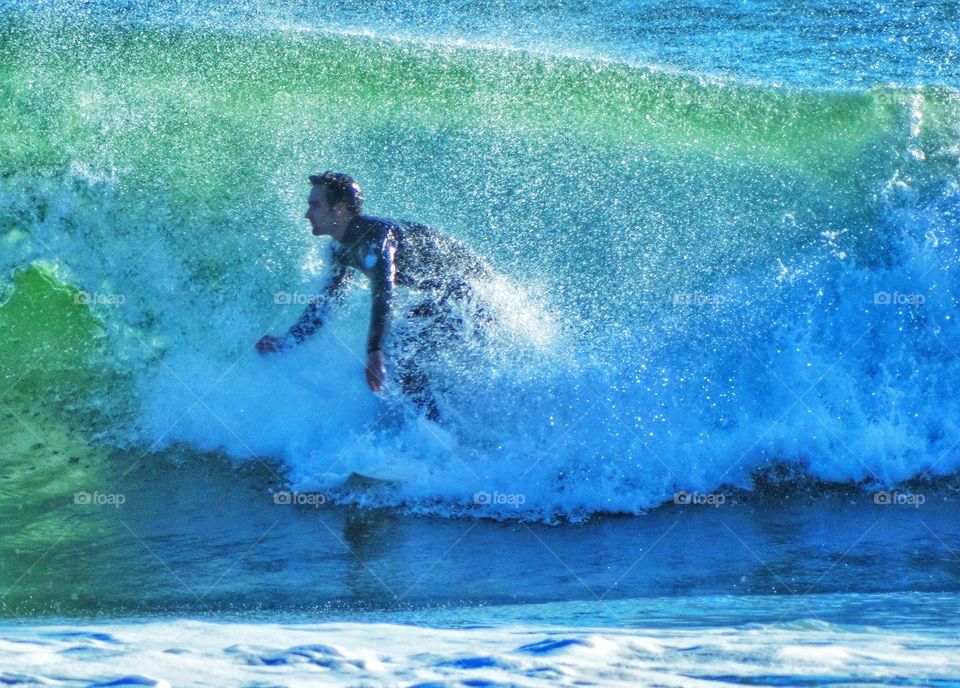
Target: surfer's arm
(316, 312)
(313, 316)
(382, 275)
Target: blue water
(822, 44)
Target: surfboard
(367, 483)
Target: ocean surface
(712, 436)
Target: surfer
(389, 253)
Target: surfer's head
(335, 198)
(340, 188)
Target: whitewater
(381, 654)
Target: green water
(194, 110)
(201, 142)
(217, 130)
(48, 349)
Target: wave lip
(845, 45)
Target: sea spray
(695, 271)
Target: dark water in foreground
(148, 555)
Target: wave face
(703, 278)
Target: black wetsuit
(398, 253)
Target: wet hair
(340, 187)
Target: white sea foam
(203, 653)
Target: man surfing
(389, 253)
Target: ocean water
(712, 439)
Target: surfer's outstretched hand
(375, 370)
(269, 344)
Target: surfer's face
(324, 219)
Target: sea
(709, 435)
